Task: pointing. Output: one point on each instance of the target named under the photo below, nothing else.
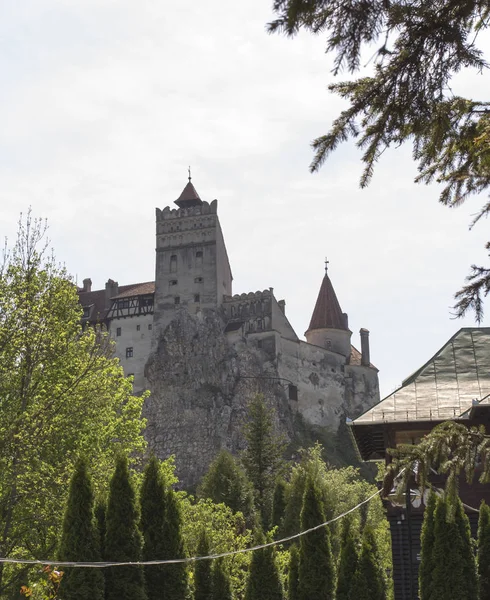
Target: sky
(105, 103)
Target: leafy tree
(426, 567)
(408, 98)
(263, 580)
(202, 571)
(227, 482)
(263, 457)
(278, 502)
(221, 586)
(80, 540)
(175, 582)
(316, 567)
(368, 581)
(484, 552)
(293, 576)
(64, 396)
(152, 500)
(123, 540)
(348, 562)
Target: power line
(104, 565)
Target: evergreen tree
(221, 586)
(227, 482)
(122, 539)
(152, 500)
(368, 581)
(316, 568)
(202, 571)
(484, 553)
(263, 579)
(80, 540)
(263, 457)
(278, 502)
(293, 575)
(426, 567)
(347, 563)
(100, 512)
(467, 553)
(175, 582)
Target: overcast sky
(103, 105)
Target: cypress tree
(175, 582)
(347, 563)
(202, 571)
(263, 579)
(122, 539)
(484, 552)
(152, 500)
(278, 502)
(100, 511)
(368, 581)
(316, 567)
(467, 554)
(426, 567)
(80, 540)
(221, 587)
(293, 581)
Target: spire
(327, 313)
(189, 197)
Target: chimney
(282, 305)
(111, 290)
(365, 359)
(87, 285)
(346, 321)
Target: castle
(203, 352)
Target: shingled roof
(188, 197)
(327, 313)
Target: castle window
(198, 258)
(124, 303)
(260, 324)
(173, 263)
(129, 352)
(150, 327)
(197, 298)
(138, 327)
(293, 392)
(86, 312)
(198, 280)
(173, 282)
(177, 300)
(118, 331)
(252, 308)
(233, 311)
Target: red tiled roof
(138, 289)
(97, 299)
(327, 313)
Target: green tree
(316, 567)
(368, 583)
(262, 458)
(152, 524)
(202, 571)
(175, 583)
(227, 482)
(426, 567)
(467, 554)
(80, 540)
(263, 579)
(484, 552)
(293, 575)
(348, 562)
(221, 586)
(409, 96)
(64, 396)
(123, 540)
(278, 502)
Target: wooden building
(453, 385)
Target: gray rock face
(200, 386)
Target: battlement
(250, 296)
(205, 208)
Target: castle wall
(361, 389)
(224, 277)
(280, 322)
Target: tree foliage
(263, 579)
(203, 571)
(221, 586)
(368, 583)
(484, 552)
(263, 457)
(293, 575)
(420, 47)
(348, 562)
(123, 539)
(63, 396)
(175, 582)
(80, 540)
(426, 567)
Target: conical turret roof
(327, 313)
(188, 197)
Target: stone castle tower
(204, 352)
